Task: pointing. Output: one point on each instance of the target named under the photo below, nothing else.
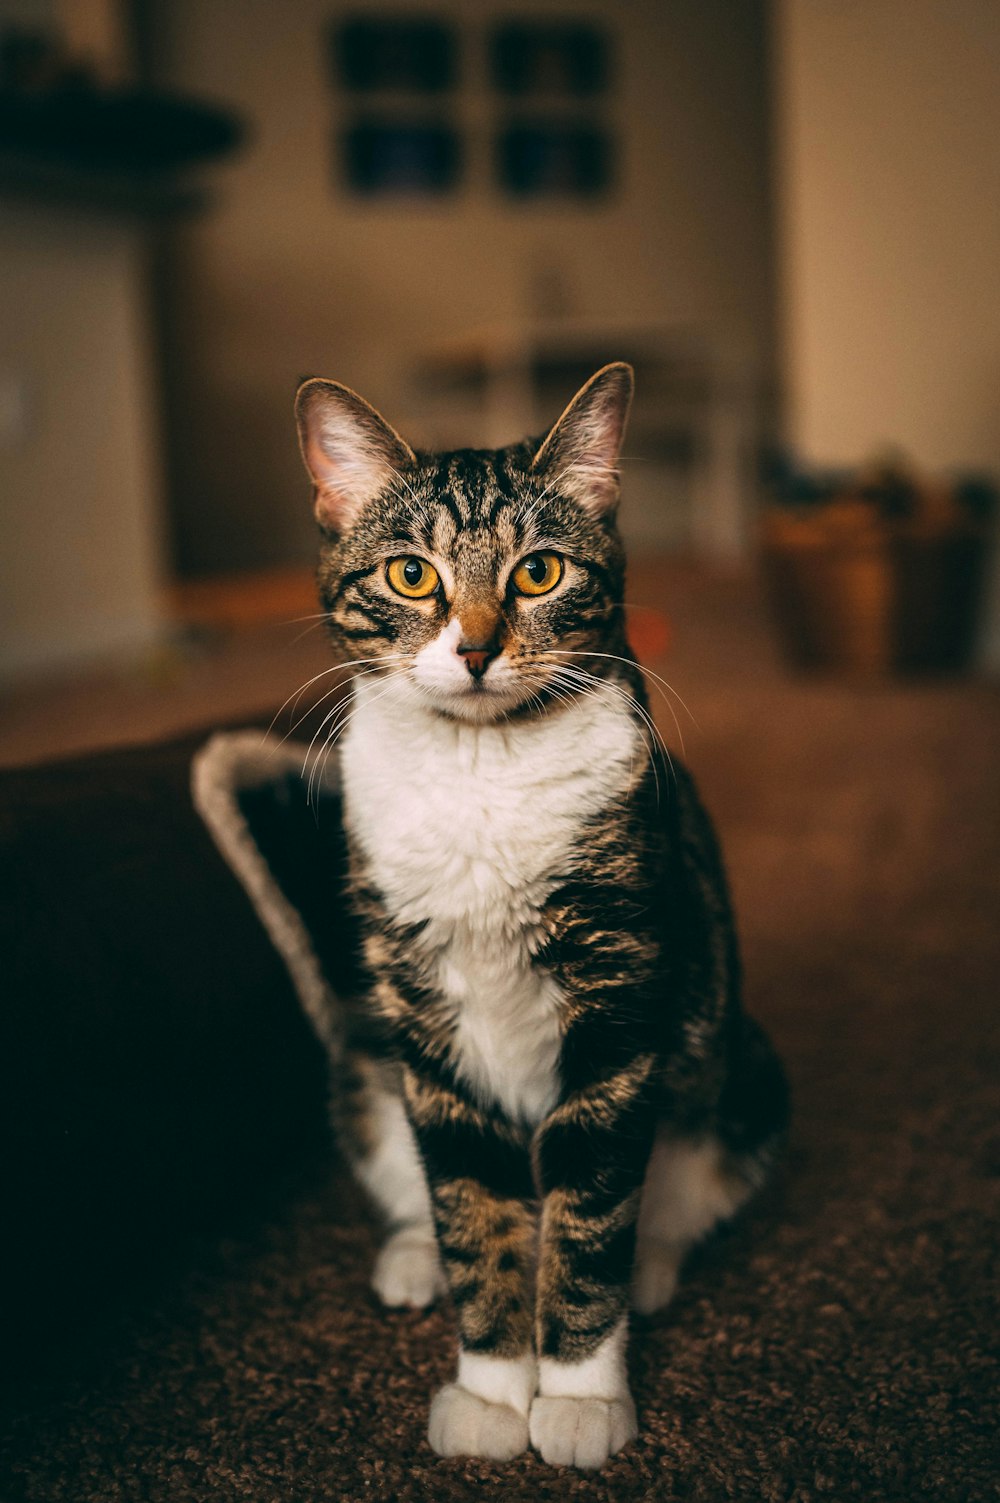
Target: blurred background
(786, 214)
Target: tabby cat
(550, 1090)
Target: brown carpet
(840, 1343)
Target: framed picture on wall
(389, 156)
(411, 123)
(549, 57)
(374, 53)
(553, 158)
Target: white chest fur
(467, 829)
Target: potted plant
(876, 572)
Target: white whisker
(346, 714)
(572, 673)
(594, 684)
(295, 620)
(306, 630)
(296, 695)
(660, 684)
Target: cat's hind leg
(690, 1187)
(375, 1133)
(693, 1184)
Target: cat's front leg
(479, 1170)
(592, 1155)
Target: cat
(550, 1090)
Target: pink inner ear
(334, 467)
(595, 442)
(585, 456)
(583, 447)
(334, 478)
(348, 469)
(350, 453)
(319, 463)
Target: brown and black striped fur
(536, 1220)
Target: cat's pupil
(536, 567)
(413, 571)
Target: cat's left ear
(581, 451)
(349, 449)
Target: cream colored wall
(889, 152)
(888, 165)
(79, 488)
(290, 275)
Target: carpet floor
(840, 1342)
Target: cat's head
(486, 582)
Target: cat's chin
(479, 706)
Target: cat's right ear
(582, 449)
(349, 449)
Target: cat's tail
(230, 774)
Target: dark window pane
(538, 159)
(396, 53)
(397, 157)
(557, 58)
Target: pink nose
(477, 659)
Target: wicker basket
(873, 596)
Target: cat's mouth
(478, 701)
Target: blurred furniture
(155, 1065)
(85, 169)
(69, 136)
(696, 427)
(80, 534)
(883, 575)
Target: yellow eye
(538, 573)
(412, 577)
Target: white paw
(408, 1270)
(581, 1432)
(657, 1268)
(462, 1424)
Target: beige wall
(292, 276)
(888, 165)
(889, 172)
(79, 488)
